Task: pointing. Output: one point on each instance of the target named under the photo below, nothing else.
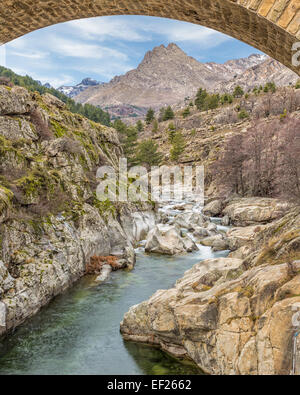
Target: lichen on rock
(51, 222)
(231, 315)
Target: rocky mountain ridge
(73, 91)
(268, 71)
(167, 75)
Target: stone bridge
(272, 26)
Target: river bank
(78, 332)
(232, 315)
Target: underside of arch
(272, 26)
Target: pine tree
(128, 137)
(186, 112)
(243, 114)
(155, 126)
(178, 146)
(140, 126)
(161, 115)
(270, 86)
(238, 91)
(120, 126)
(148, 154)
(169, 114)
(171, 131)
(150, 116)
(200, 98)
(211, 102)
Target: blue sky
(103, 47)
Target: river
(78, 332)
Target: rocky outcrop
(138, 224)
(215, 241)
(190, 220)
(105, 272)
(251, 211)
(239, 237)
(230, 315)
(167, 239)
(269, 70)
(51, 222)
(15, 101)
(227, 320)
(213, 208)
(5, 203)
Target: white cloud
(108, 28)
(80, 49)
(106, 71)
(197, 34)
(30, 55)
(18, 43)
(58, 81)
(143, 29)
(102, 47)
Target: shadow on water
(78, 332)
(153, 361)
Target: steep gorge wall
(51, 222)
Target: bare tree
(265, 161)
(290, 150)
(228, 170)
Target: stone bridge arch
(272, 26)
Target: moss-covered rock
(5, 202)
(51, 222)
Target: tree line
(87, 110)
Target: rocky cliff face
(167, 75)
(51, 222)
(232, 315)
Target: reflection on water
(78, 333)
(153, 361)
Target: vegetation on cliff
(218, 138)
(87, 110)
(49, 156)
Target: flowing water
(78, 332)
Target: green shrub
(168, 114)
(243, 114)
(186, 112)
(149, 116)
(238, 91)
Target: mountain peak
(173, 46)
(167, 75)
(88, 82)
(160, 50)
